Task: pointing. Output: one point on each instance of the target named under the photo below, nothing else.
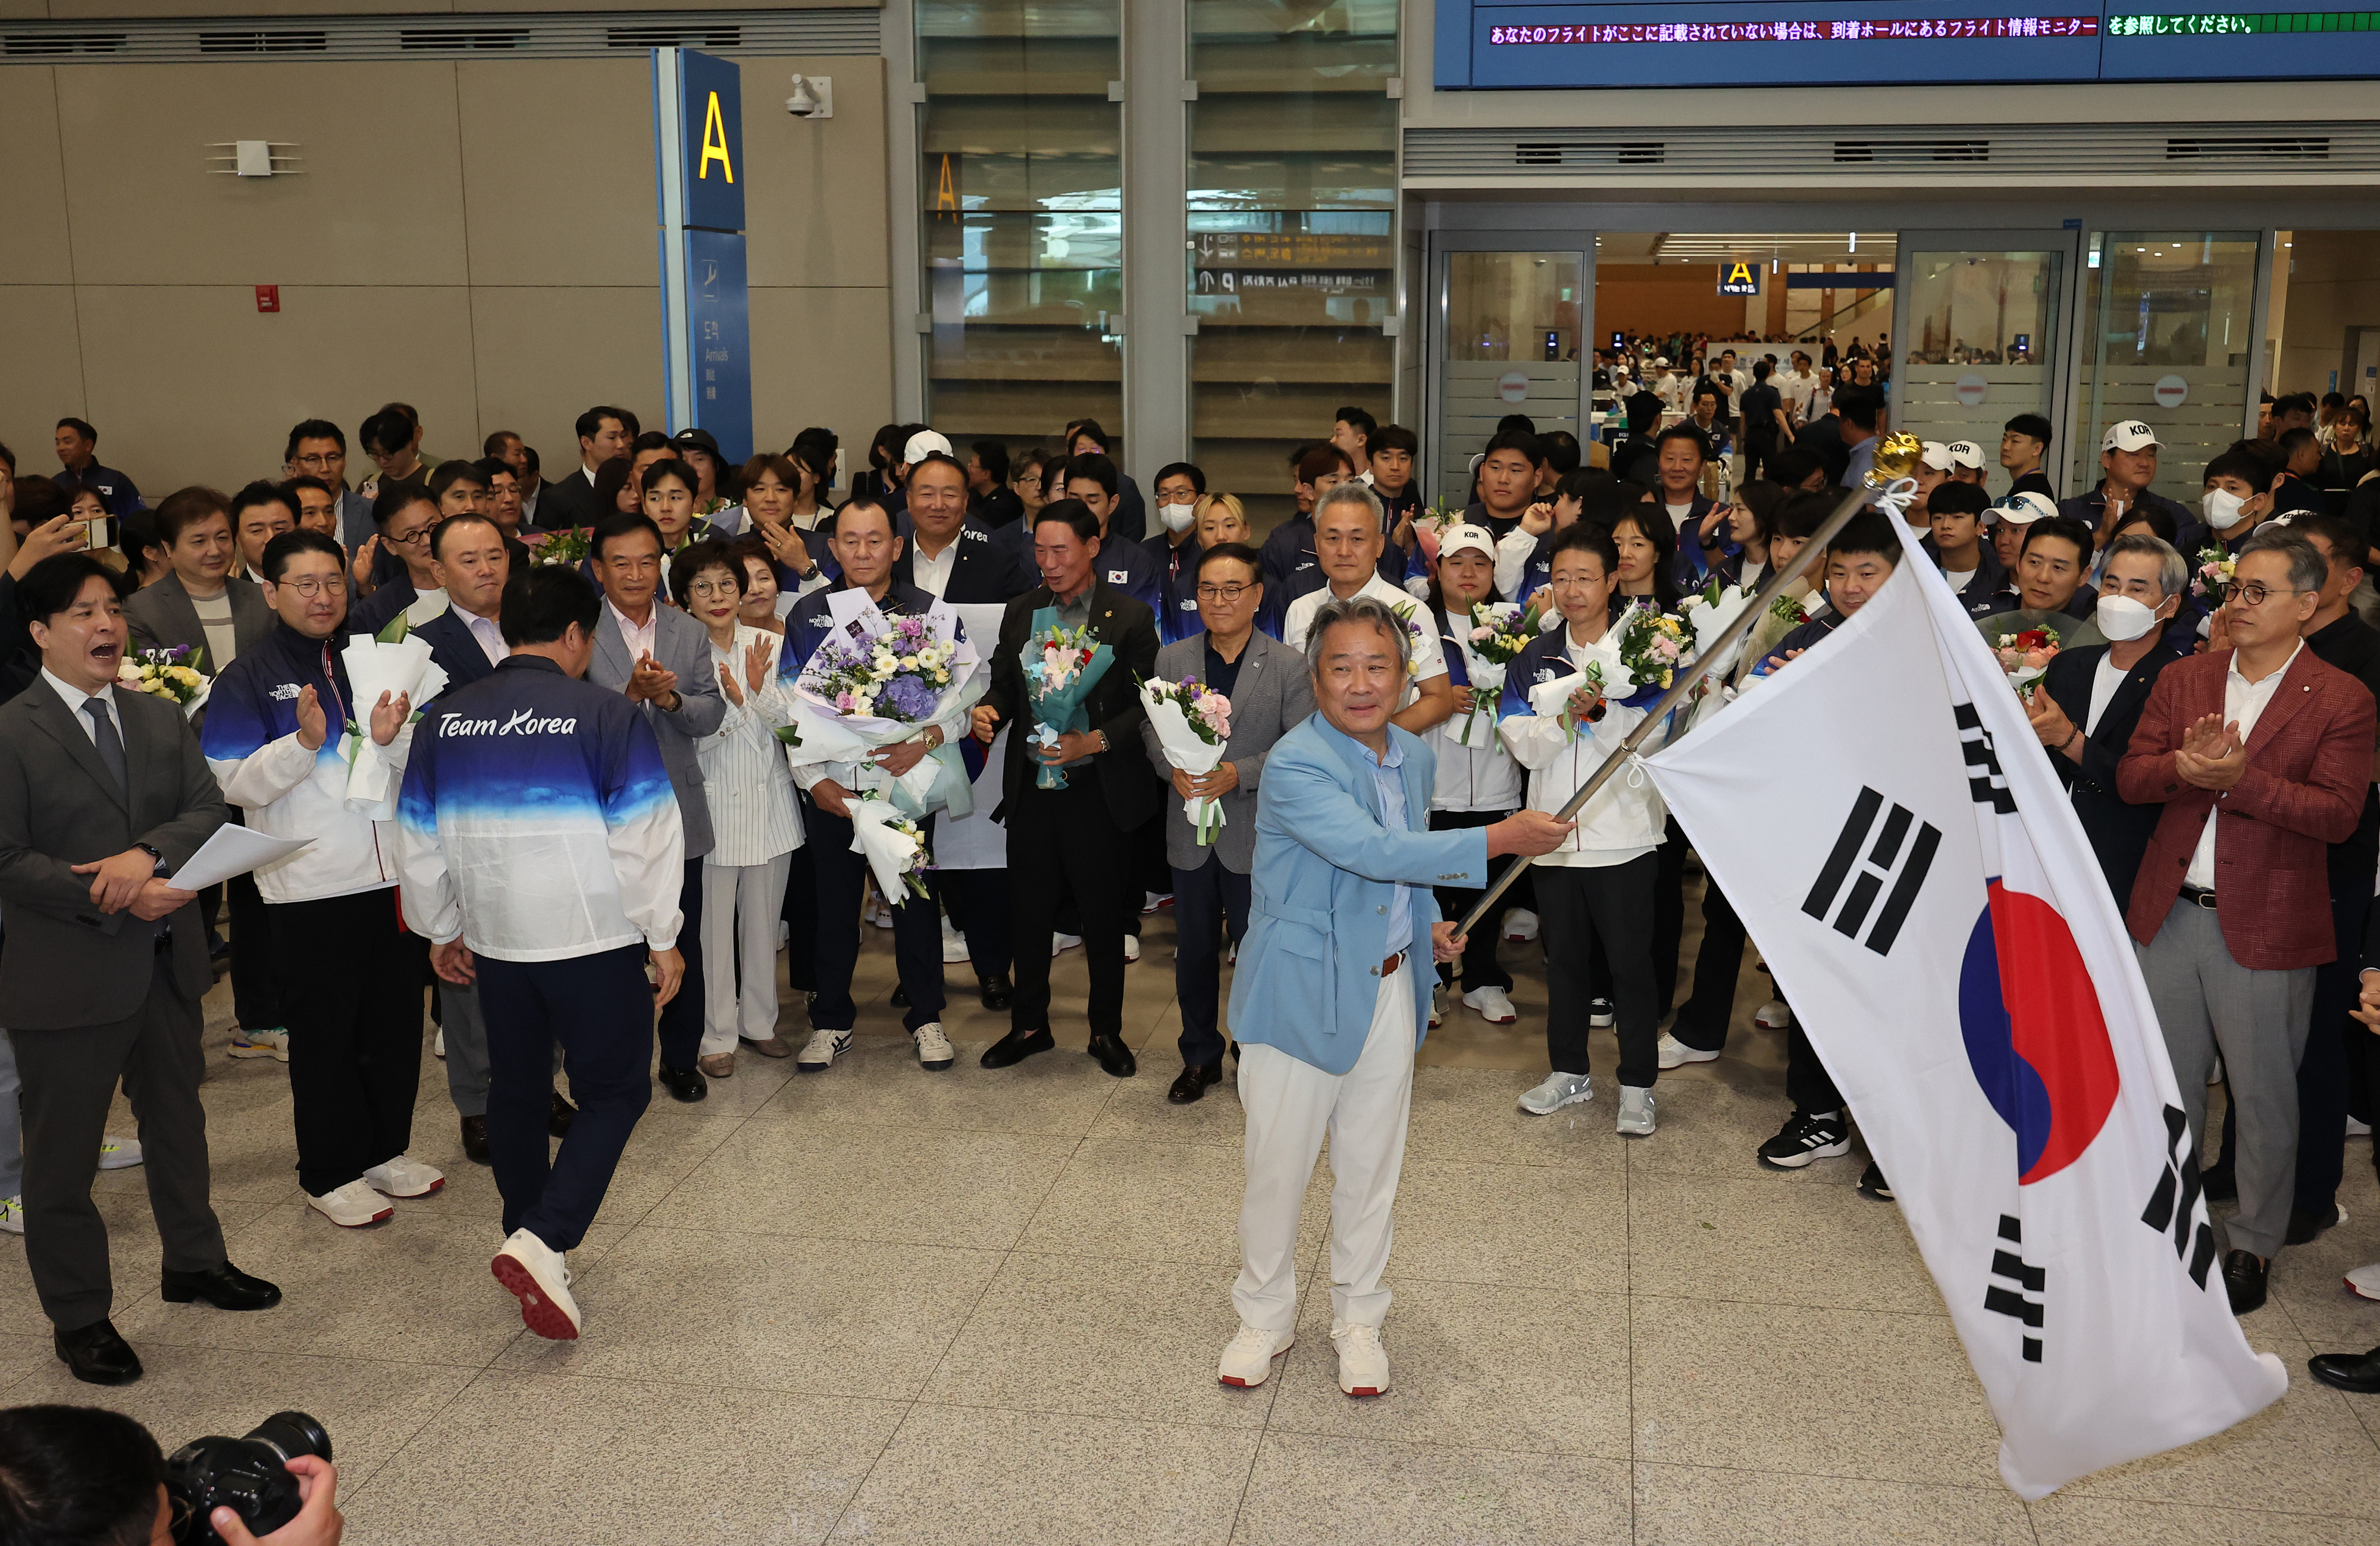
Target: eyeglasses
(312, 586)
(1226, 593)
(417, 538)
(2253, 592)
(715, 588)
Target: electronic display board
(1490, 44)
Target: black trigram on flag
(1895, 845)
(1986, 783)
(2174, 1204)
(2011, 1265)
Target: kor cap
(1934, 455)
(2130, 435)
(1966, 454)
(1456, 539)
(924, 443)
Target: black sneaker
(1873, 1184)
(1600, 1013)
(1805, 1138)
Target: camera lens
(291, 1434)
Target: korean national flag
(1933, 913)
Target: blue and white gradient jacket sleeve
(425, 880)
(647, 836)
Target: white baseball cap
(2130, 435)
(924, 443)
(1934, 455)
(1662, 360)
(1456, 539)
(2021, 509)
(1966, 454)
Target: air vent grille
(838, 30)
(463, 40)
(50, 45)
(2248, 147)
(1912, 152)
(282, 40)
(1561, 152)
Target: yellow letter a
(714, 142)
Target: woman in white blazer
(755, 819)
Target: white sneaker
(12, 1216)
(934, 1050)
(260, 1044)
(1675, 1053)
(2363, 1282)
(1247, 1358)
(1558, 1090)
(954, 945)
(351, 1206)
(822, 1049)
(1151, 900)
(1775, 1015)
(879, 915)
(118, 1153)
(1063, 942)
(2357, 1129)
(1494, 1006)
(1635, 1111)
(405, 1177)
(1130, 948)
(2214, 1075)
(1520, 927)
(1363, 1362)
(1600, 1014)
(1436, 1007)
(539, 1278)
(438, 1044)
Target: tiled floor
(896, 1306)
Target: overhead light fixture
(256, 158)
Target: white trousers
(1290, 1104)
(740, 904)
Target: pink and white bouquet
(879, 678)
(1061, 665)
(172, 674)
(2025, 655)
(1652, 644)
(2212, 581)
(1499, 630)
(1193, 722)
(894, 846)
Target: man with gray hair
(1327, 1002)
(1347, 543)
(2260, 754)
(2092, 696)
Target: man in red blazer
(2260, 754)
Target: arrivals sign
(1738, 279)
(709, 111)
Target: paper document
(234, 850)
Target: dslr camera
(247, 1475)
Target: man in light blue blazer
(1327, 1002)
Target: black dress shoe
(2217, 1184)
(900, 996)
(2306, 1224)
(1114, 1056)
(998, 992)
(474, 1139)
(2357, 1371)
(1017, 1046)
(2243, 1279)
(1191, 1083)
(1873, 1184)
(557, 1121)
(683, 1084)
(226, 1288)
(96, 1355)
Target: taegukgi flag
(1934, 916)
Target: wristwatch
(160, 859)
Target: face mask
(1177, 517)
(2222, 508)
(2124, 619)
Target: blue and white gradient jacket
(536, 821)
(251, 742)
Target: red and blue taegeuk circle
(2035, 1035)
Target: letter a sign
(710, 141)
(1738, 279)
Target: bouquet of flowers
(874, 680)
(1651, 646)
(1709, 612)
(1416, 640)
(1788, 610)
(2212, 582)
(171, 674)
(2025, 655)
(894, 846)
(402, 670)
(1429, 525)
(568, 546)
(1192, 722)
(1061, 666)
(1550, 699)
(1499, 630)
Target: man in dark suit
(1076, 836)
(2261, 755)
(2092, 694)
(946, 552)
(103, 793)
(200, 605)
(661, 658)
(603, 433)
(1270, 693)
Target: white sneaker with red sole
(1247, 1358)
(1492, 1004)
(537, 1275)
(405, 1177)
(1363, 1362)
(351, 1206)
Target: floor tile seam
(958, 1331)
(1080, 1413)
(2068, 1491)
(873, 1461)
(1854, 1309)
(1994, 1487)
(1293, 1429)
(398, 1448)
(731, 1126)
(646, 1380)
(712, 1229)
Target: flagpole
(1895, 458)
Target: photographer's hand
(318, 1522)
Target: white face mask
(2124, 619)
(2222, 507)
(1177, 517)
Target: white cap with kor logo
(2130, 435)
(1456, 539)
(1934, 455)
(1966, 454)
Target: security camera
(813, 97)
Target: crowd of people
(605, 818)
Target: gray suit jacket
(162, 616)
(680, 645)
(66, 963)
(1273, 695)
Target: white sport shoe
(2357, 1129)
(118, 1153)
(1520, 927)
(405, 1177)
(1600, 1014)
(351, 1206)
(819, 1053)
(1558, 1090)
(1676, 1053)
(934, 1050)
(2363, 1282)
(539, 1278)
(1063, 942)
(879, 915)
(1635, 1111)
(1775, 1015)
(1438, 1007)
(2214, 1075)
(12, 1216)
(260, 1044)
(1363, 1362)
(438, 1044)
(1494, 1006)
(1130, 948)
(954, 945)
(1247, 1358)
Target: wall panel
(42, 382)
(819, 357)
(33, 245)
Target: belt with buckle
(2198, 896)
(1389, 968)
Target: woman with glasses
(754, 821)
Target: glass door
(1978, 321)
(1510, 321)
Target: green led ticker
(2277, 22)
